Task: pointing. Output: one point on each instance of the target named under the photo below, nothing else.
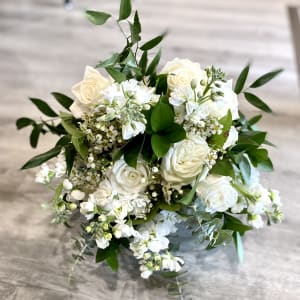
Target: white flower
(181, 72)
(123, 230)
(256, 221)
(218, 193)
(145, 272)
(102, 243)
(87, 209)
(263, 202)
(220, 105)
(103, 195)
(127, 180)
(88, 91)
(44, 175)
(132, 129)
(60, 166)
(77, 195)
(275, 197)
(171, 263)
(233, 136)
(239, 206)
(67, 184)
(184, 161)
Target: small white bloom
(123, 230)
(256, 221)
(77, 195)
(232, 138)
(60, 166)
(217, 192)
(132, 129)
(102, 243)
(145, 272)
(263, 202)
(103, 195)
(44, 175)
(67, 184)
(275, 197)
(87, 209)
(171, 263)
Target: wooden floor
(44, 48)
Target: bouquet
(143, 149)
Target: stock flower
(88, 91)
(181, 72)
(217, 192)
(184, 161)
(171, 263)
(127, 180)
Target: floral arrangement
(142, 150)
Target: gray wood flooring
(44, 48)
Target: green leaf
(254, 120)
(255, 138)
(43, 107)
(113, 262)
(238, 242)
(159, 145)
(153, 42)
(80, 145)
(135, 29)
(260, 158)
(241, 80)
(63, 141)
(97, 17)
(162, 116)
(257, 102)
(161, 84)
(24, 122)
(132, 150)
(63, 100)
(154, 63)
(266, 165)
(67, 121)
(169, 207)
(116, 75)
(70, 157)
(35, 134)
(143, 62)
(265, 78)
(245, 168)
(125, 9)
(175, 133)
(223, 167)
(41, 158)
(103, 254)
(235, 224)
(58, 192)
(110, 62)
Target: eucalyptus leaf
(110, 62)
(67, 121)
(143, 62)
(245, 168)
(35, 134)
(238, 242)
(265, 78)
(63, 100)
(235, 224)
(97, 17)
(154, 63)
(43, 107)
(241, 80)
(117, 75)
(135, 29)
(254, 120)
(257, 102)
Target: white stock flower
(263, 202)
(145, 272)
(87, 209)
(77, 195)
(88, 91)
(127, 180)
(132, 129)
(171, 263)
(217, 192)
(44, 175)
(123, 230)
(102, 243)
(275, 197)
(233, 136)
(67, 184)
(60, 165)
(256, 221)
(184, 160)
(181, 72)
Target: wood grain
(44, 48)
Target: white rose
(217, 192)
(77, 195)
(184, 161)
(181, 72)
(233, 136)
(88, 91)
(127, 180)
